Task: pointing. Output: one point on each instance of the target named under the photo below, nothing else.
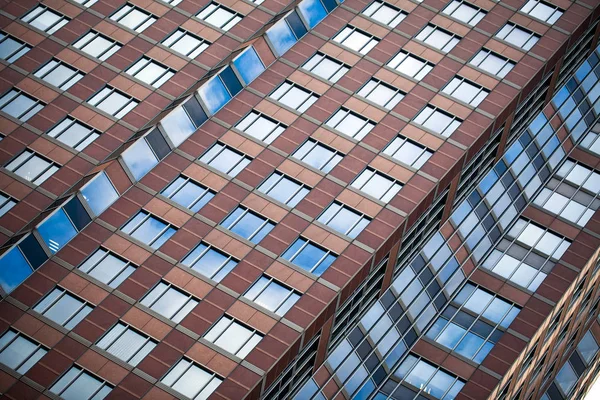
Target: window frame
(192, 364)
(435, 109)
(186, 307)
(291, 200)
(389, 104)
(266, 222)
(25, 115)
(129, 105)
(26, 360)
(430, 29)
(270, 280)
(308, 242)
(78, 316)
(373, 172)
(238, 353)
(418, 162)
(23, 48)
(531, 5)
(242, 163)
(253, 117)
(45, 70)
(218, 275)
(337, 119)
(341, 207)
(111, 340)
(41, 9)
(80, 372)
(311, 97)
(404, 55)
(92, 132)
(455, 5)
(399, 17)
(158, 237)
(52, 166)
(347, 31)
(195, 52)
(6, 204)
(203, 199)
(116, 279)
(208, 11)
(313, 63)
(474, 102)
(88, 40)
(313, 144)
(509, 28)
(127, 9)
(145, 62)
(489, 53)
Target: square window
(19, 352)
(225, 159)
(169, 301)
(381, 94)
(20, 105)
(99, 193)
(356, 39)
(107, 267)
(493, 63)
(410, 65)
(126, 344)
(439, 38)
(150, 72)
(234, 337)
(466, 91)
(191, 380)
(148, 229)
(309, 256)
(56, 73)
(78, 384)
(261, 127)
(11, 49)
(385, 13)
(326, 67)
(542, 10)
(464, 12)
(188, 193)
(408, 152)
(220, 89)
(63, 308)
(186, 43)
(210, 262)
(182, 122)
(272, 295)
(248, 224)
(6, 203)
(343, 219)
(32, 167)
(294, 96)
(318, 155)
(285, 33)
(73, 133)
(284, 189)
(376, 184)
(133, 18)
(314, 11)
(438, 121)
(97, 45)
(520, 37)
(113, 102)
(45, 19)
(220, 16)
(350, 124)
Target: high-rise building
(299, 200)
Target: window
(284, 189)
(376, 184)
(11, 49)
(225, 159)
(408, 152)
(493, 63)
(133, 18)
(518, 36)
(45, 19)
(343, 219)
(220, 89)
(293, 96)
(350, 124)
(172, 2)
(466, 91)
(188, 193)
(315, 10)
(19, 352)
(191, 380)
(385, 13)
(20, 105)
(248, 224)
(587, 347)
(285, 33)
(410, 65)
(261, 127)
(566, 378)
(169, 301)
(539, 238)
(233, 337)
(150, 72)
(542, 10)
(182, 122)
(381, 94)
(113, 102)
(77, 384)
(326, 67)
(356, 39)
(6, 203)
(439, 38)
(86, 3)
(56, 73)
(464, 12)
(99, 193)
(248, 64)
(210, 262)
(309, 256)
(220, 16)
(97, 45)
(126, 344)
(108, 268)
(63, 223)
(148, 229)
(318, 155)
(32, 167)
(73, 133)
(438, 121)
(63, 308)
(272, 295)
(186, 43)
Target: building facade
(310, 199)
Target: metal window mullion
(238, 219)
(75, 378)
(105, 51)
(279, 179)
(198, 198)
(129, 99)
(179, 188)
(74, 314)
(299, 250)
(290, 292)
(146, 340)
(191, 364)
(231, 321)
(320, 261)
(308, 97)
(36, 102)
(63, 292)
(125, 265)
(38, 346)
(91, 396)
(162, 232)
(60, 19)
(11, 341)
(298, 189)
(161, 294)
(118, 337)
(265, 222)
(136, 227)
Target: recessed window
(410, 65)
(326, 67)
(191, 380)
(149, 230)
(272, 295)
(210, 262)
(172, 2)
(45, 19)
(285, 33)
(542, 10)
(343, 219)
(233, 337)
(133, 18)
(63, 308)
(86, 3)
(188, 193)
(186, 43)
(32, 167)
(107, 267)
(408, 152)
(350, 124)
(464, 12)
(248, 224)
(126, 344)
(439, 38)
(309, 256)
(59, 74)
(150, 72)
(73, 133)
(78, 384)
(284, 189)
(294, 96)
(381, 94)
(113, 102)
(20, 105)
(318, 155)
(261, 127)
(169, 301)
(438, 121)
(466, 91)
(225, 159)
(18, 352)
(520, 37)
(97, 45)
(385, 13)
(11, 49)
(356, 39)
(376, 184)
(6, 203)
(220, 16)
(493, 63)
